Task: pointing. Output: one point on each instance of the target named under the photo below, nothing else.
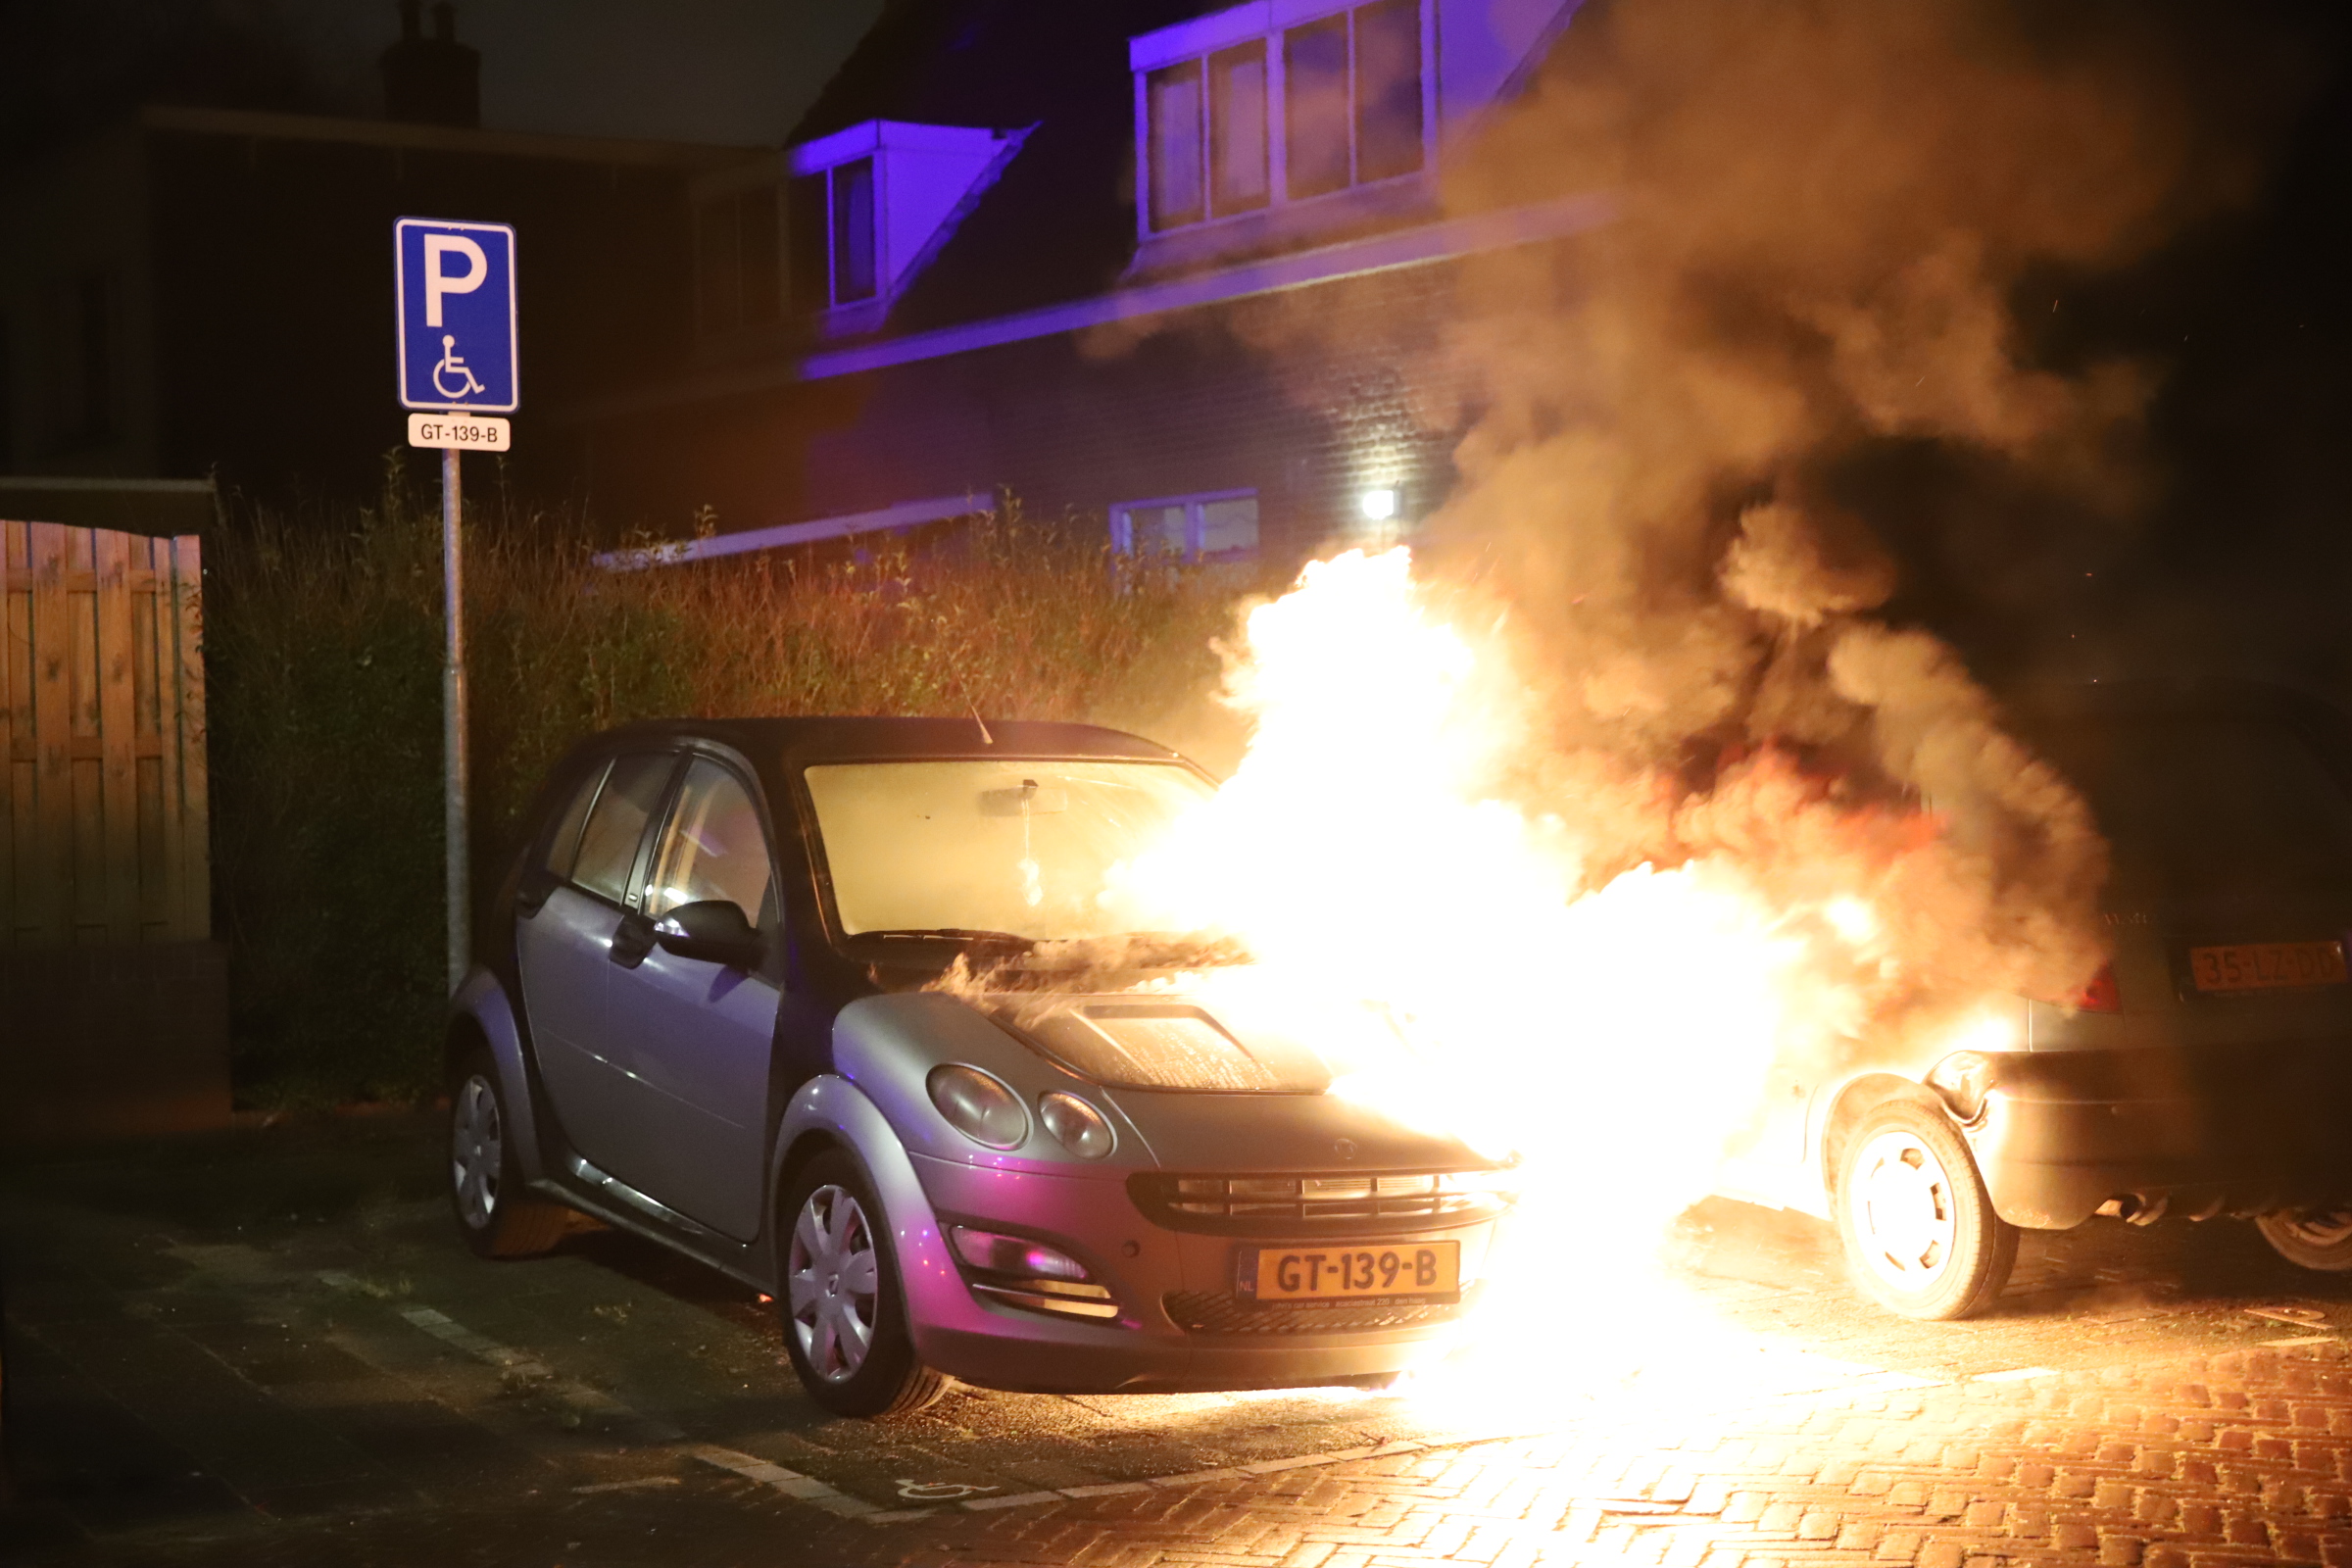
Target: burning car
(707, 1010)
(2206, 1072)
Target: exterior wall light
(1378, 505)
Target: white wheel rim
(1904, 1217)
(833, 1280)
(477, 1150)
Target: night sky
(716, 71)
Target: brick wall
(1308, 397)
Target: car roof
(800, 742)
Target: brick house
(1063, 249)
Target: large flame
(1378, 854)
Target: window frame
(633, 880)
(648, 859)
(877, 199)
(1280, 21)
(1195, 505)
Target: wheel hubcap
(833, 1279)
(476, 1149)
(1901, 1203)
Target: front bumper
(2198, 1129)
(1180, 1326)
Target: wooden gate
(103, 816)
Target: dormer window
(833, 236)
(1279, 101)
(867, 206)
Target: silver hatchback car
(706, 1009)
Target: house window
(830, 217)
(1175, 96)
(1314, 67)
(1340, 99)
(1219, 526)
(1237, 127)
(738, 260)
(1388, 89)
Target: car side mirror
(712, 930)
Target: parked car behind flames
(2208, 1070)
(699, 1013)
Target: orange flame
(1369, 853)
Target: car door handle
(632, 940)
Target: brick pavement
(2199, 1462)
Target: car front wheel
(2317, 1239)
(1918, 1227)
(845, 1316)
(494, 1214)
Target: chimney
(432, 81)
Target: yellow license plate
(1348, 1273)
(2263, 965)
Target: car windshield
(1017, 849)
(2207, 804)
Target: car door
(564, 948)
(701, 1035)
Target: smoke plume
(1824, 208)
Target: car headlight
(979, 1107)
(1078, 1126)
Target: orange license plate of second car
(1346, 1273)
(2267, 966)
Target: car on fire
(2206, 1072)
(706, 1009)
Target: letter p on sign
(438, 249)
(454, 294)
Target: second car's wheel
(494, 1214)
(845, 1316)
(1918, 1230)
(2317, 1238)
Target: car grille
(1196, 1313)
(1314, 1204)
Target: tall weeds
(323, 649)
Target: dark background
(2240, 557)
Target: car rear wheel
(845, 1315)
(1918, 1227)
(2317, 1239)
(494, 1214)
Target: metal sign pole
(453, 306)
(452, 726)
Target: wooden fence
(102, 814)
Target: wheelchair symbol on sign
(452, 365)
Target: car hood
(888, 1045)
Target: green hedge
(323, 649)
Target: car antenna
(986, 739)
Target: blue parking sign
(455, 287)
